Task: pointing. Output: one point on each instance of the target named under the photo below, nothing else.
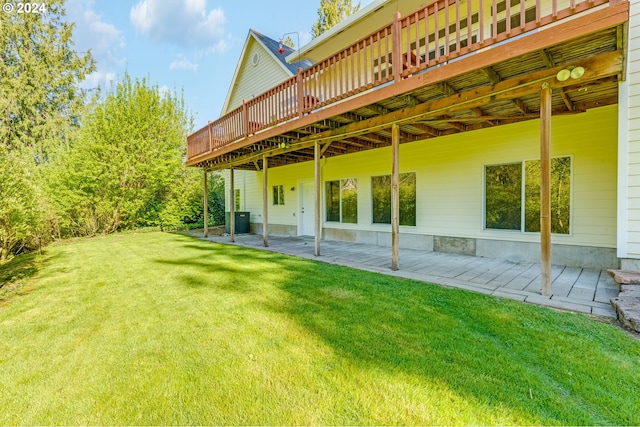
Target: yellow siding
(449, 179)
(251, 80)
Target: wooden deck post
(318, 180)
(210, 135)
(395, 196)
(232, 207)
(245, 119)
(300, 90)
(396, 47)
(545, 188)
(265, 201)
(205, 205)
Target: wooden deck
(448, 67)
(575, 289)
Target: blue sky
(190, 45)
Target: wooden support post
(232, 207)
(318, 180)
(265, 201)
(205, 205)
(395, 196)
(545, 188)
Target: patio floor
(575, 289)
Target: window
(508, 207)
(381, 199)
(503, 196)
(278, 195)
(237, 200)
(560, 195)
(341, 198)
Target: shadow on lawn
(496, 352)
(15, 273)
(487, 348)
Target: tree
(126, 169)
(39, 80)
(330, 13)
(288, 41)
(19, 211)
(40, 106)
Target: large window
(508, 207)
(342, 200)
(381, 199)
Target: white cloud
(164, 91)
(183, 64)
(100, 78)
(104, 40)
(183, 22)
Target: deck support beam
(318, 180)
(232, 207)
(545, 189)
(395, 196)
(205, 205)
(265, 201)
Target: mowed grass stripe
(162, 328)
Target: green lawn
(165, 329)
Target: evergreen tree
(330, 13)
(40, 106)
(40, 72)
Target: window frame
(522, 229)
(340, 182)
(277, 195)
(415, 213)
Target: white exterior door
(306, 209)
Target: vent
(255, 59)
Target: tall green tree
(40, 106)
(330, 13)
(126, 169)
(40, 73)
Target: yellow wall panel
(450, 172)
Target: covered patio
(457, 70)
(575, 289)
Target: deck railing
(432, 35)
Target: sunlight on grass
(165, 329)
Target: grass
(161, 328)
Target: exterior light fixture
(563, 75)
(577, 72)
(570, 72)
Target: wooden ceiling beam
(566, 100)
(597, 67)
(491, 74)
(547, 58)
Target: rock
(627, 306)
(625, 276)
